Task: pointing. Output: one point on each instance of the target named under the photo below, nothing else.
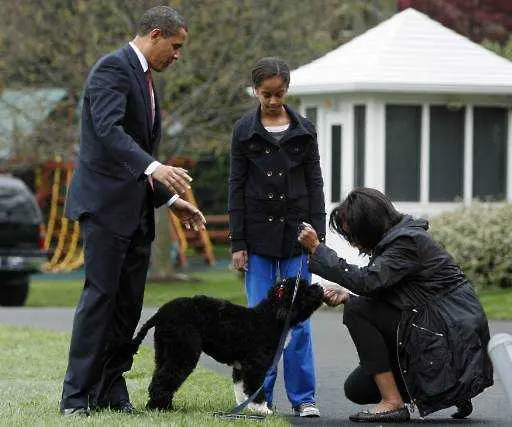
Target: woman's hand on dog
(335, 296)
(240, 260)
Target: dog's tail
(137, 340)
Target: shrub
(479, 239)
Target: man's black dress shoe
(463, 409)
(75, 412)
(400, 415)
(124, 406)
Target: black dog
(245, 338)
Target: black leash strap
(235, 412)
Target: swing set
(63, 237)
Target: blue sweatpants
(298, 362)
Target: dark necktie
(149, 81)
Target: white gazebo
(414, 109)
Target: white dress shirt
(153, 165)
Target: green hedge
(480, 240)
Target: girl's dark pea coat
(274, 186)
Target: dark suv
(21, 240)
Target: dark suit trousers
(372, 324)
(106, 316)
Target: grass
(65, 293)
(497, 303)
(31, 372)
(218, 283)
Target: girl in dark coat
(275, 183)
(418, 327)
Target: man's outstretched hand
(175, 179)
(189, 215)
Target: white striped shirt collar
(142, 59)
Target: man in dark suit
(116, 185)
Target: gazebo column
(468, 155)
(425, 154)
(509, 155)
(375, 149)
(347, 157)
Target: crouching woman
(418, 327)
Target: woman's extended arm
(397, 261)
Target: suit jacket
(117, 143)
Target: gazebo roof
(407, 53)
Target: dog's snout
(317, 290)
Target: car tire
(14, 291)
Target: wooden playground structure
(63, 235)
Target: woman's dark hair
(168, 20)
(364, 217)
(270, 67)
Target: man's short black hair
(167, 19)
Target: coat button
(270, 218)
(269, 173)
(267, 150)
(270, 195)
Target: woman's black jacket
(443, 333)
(273, 186)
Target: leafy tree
(56, 42)
(504, 49)
(475, 19)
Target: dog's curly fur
(245, 338)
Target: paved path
(335, 358)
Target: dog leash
(235, 412)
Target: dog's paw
(240, 396)
(260, 408)
(159, 405)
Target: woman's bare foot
(391, 399)
(386, 406)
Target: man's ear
(155, 34)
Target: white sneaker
(306, 409)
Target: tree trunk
(164, 250)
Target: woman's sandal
(399, 415)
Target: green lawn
(497, 304)
(65, 293)
(31, 372)
(217, 283)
